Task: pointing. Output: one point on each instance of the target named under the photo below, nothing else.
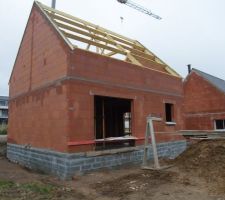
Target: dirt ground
(197, 174)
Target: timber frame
(101, 40)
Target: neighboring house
(3, 110)
(68, 103)
(204, 102)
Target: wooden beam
(109, 40)
(140, 58)
(76, 30)
(133, 60)
(99, 32)
(110, 54)
(142, 54)
(87, 23)
(103, 50)
(87, 41)
(159, 61)
(123, 45)
(171, 71)
(129, 56)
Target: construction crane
(131, 4)
(139, 8)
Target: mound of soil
(207, 160)
(139, 182)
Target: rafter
(110, 54)
(87, 41)
(106, 42)
(158, 60)
(80, 22)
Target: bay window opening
(113, 121)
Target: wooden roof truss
(100, 40)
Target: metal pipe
(189, 68)
(53, 3)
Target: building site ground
(198, 173)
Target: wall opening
(113, 120)
(220, 124)
(169, 112)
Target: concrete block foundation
(66, 165)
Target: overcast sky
(192, 31)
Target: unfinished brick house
(204, 102)
(80, 93)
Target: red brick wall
(81, 118)
(105, 76)
(40, 118)
(103, 68)
(202, 103)
(41, 58)
(62, 112)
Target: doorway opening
(113, 120)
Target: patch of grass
(35, 191)
(38, 188)
(3, 130)
(6, 184)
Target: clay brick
(201, 98)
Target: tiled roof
(217, 82)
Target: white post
(145, 156)
(150, 131)
(154, 148)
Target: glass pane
(4, 113)
(2, 103)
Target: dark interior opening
(112, 119)
(169, 112)
(220, 124)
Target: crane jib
(139, 8)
